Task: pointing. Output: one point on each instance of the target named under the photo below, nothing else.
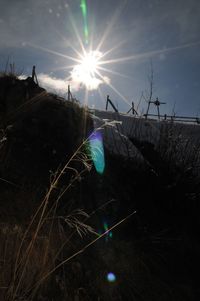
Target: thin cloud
(80, 78)
(58, 85)
(53, 84)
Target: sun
(90, 62)
(89, 67)
(86, 72)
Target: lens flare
(90, 61)
(111, 277)
(85, 72)
(97, 151)
(106, 229)
(83, 6)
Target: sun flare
(86, 71)
(90, 61)
(90, 67)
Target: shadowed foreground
(54, 207)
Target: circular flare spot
(111, 277)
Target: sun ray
(76, 31)
(54, 52)
(113, 88)
(85, 71)
(86, 98)
(91, 44)
(85, 113)
(68, 78)
(69, 44)
(76, 51)
(92, 32)
(63, 68)
(149, 53)
(114, 48)
(114, 72)
(101, 96)
(110, 26)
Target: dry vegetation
(51, 249)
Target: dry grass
(30, 256)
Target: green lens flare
(105, 225)
(106, 229)
(83, 6)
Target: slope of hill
(39, 133)
(69, 233)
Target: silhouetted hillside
(55, 237)
(39, 133)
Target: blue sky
(166, 32)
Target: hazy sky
(48, 33)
